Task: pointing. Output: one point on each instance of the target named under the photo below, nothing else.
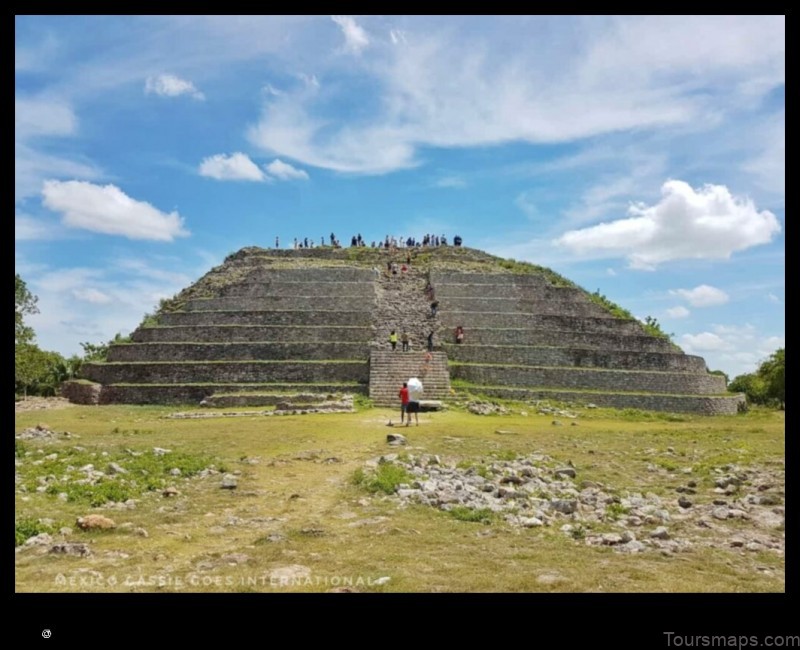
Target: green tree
(24, 303)
(753, 387)
(773, 373)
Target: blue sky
(642, 156)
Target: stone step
(388, 371)
(273, 288)
(564, 338)
(701, 404)
(528, 307)
(590, 378)
(469, 320)
(274, 318)
(254, 334)
(182, 372)
(225, 400)
(578, 357)
(254, 274)
(446, 291)
(258, 351)
(294, 303)
(479, 280)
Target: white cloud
(773, 298)
(704, 342)
(707, 223)
(678, 312)
(236, 167)
(611, 272)
(168, 85)
(355, 37)
(107, 209)
(91, 295)
(397, 36)
(32, 167)
(702, 296)
(285, 172)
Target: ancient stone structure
(269, 323)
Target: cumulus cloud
(678, 312)
(704, 223)
(355, 38)
(168, 85)
(735, 348)
(107, 209)
(702, 296)
(285, 172)
(236, 167)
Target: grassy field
(298, 512)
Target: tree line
(37, 371)
(767, 385)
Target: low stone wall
(237, 351)
(313, 274)
(727, 405)
(459, 277)
(551, 356)
(298, 303)
(226, 372)
(286, 318)
(472, 319)
(585, 378)
(520, 292)
(81, 392)
(314, 288)
(564, 338)
(510, 305)
(187, 394)
(245, 333)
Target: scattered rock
(720, 513)
(71, 548)
(396, 439)
(175, 471)
(564, 506)
(683, 502)
(229, 482)
(565, 471)
(381, 581)
(170, 491)
(95, 522)
(660, 533)
(531, 522)
(141, 532)
(115, 468)
(611, 539)
(159, 451)
(39, 540)
(65, 531)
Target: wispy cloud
(355, 37)
(107, 209)
(450, 182)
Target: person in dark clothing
(430, 342)
(457, 240)
(305, 242)
(434, 308)
(459, 334)
(404, 341)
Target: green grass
(283, 489)
(385, 479)
(480, 515)
(29, 527)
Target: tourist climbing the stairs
(404, 339)
(393, 339)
